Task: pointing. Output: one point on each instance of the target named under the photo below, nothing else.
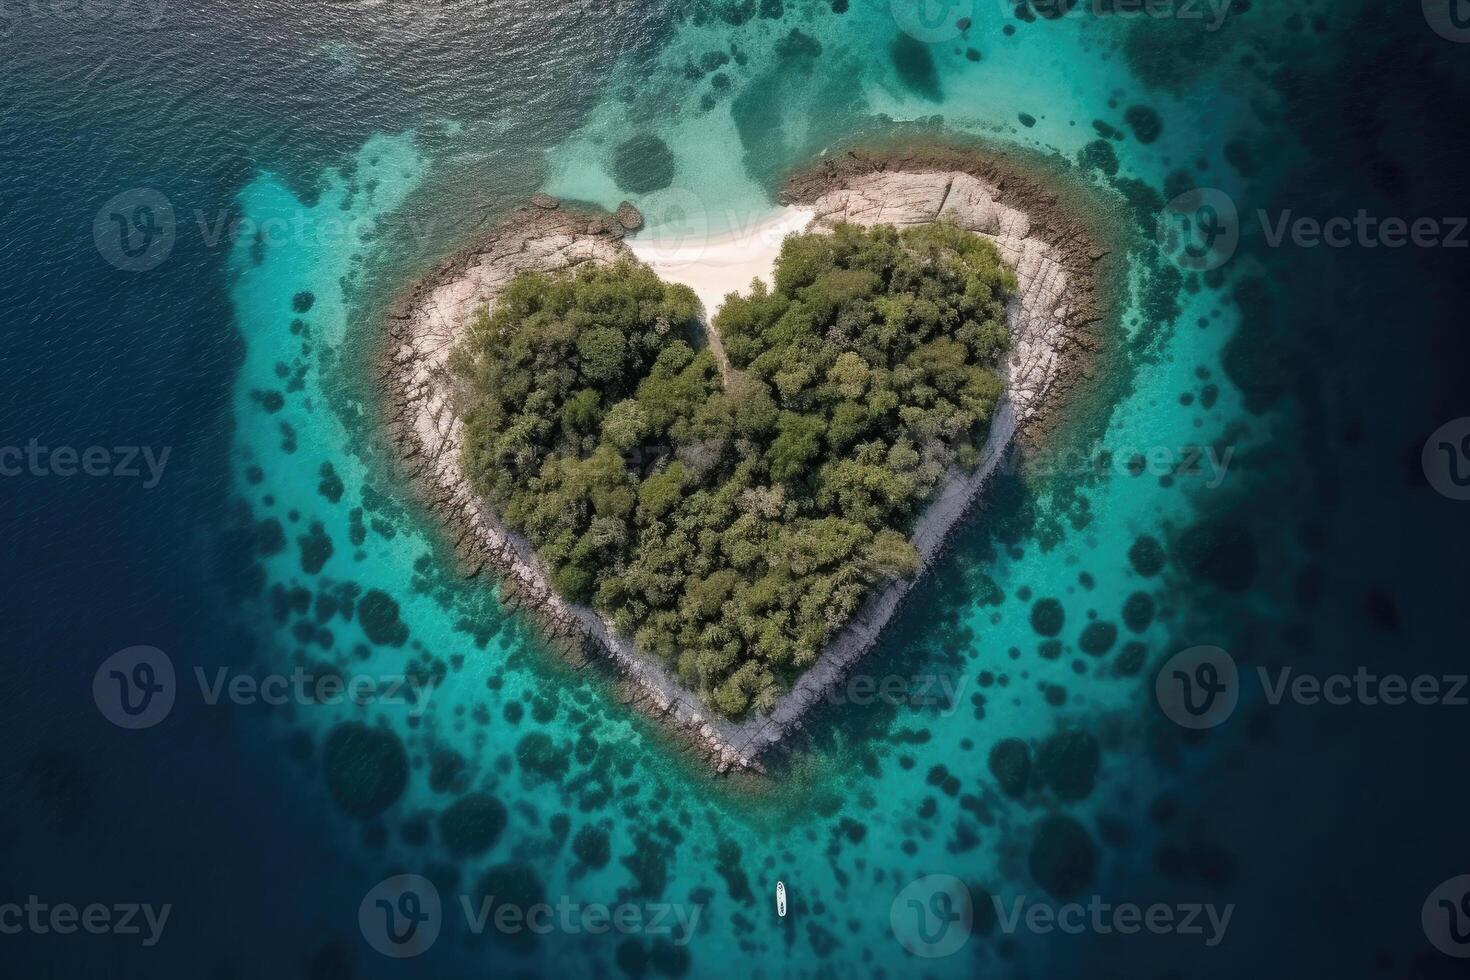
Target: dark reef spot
(378, 612)
(1098, 638)
(649, 864)
(727, 857)
(631, 958)
(1381, 610)
(670, 957)
(1171, 53)
(1238, 155)
(914, 63)
(1253, 357)
(271, 401)
(365, 768)
(823, 942)
(1146, 556)
(1099, 155)
(446, 770)
(1138, 611)
(798, 46)
(1047, 617)
(513, 883)
(1026, 119)
(540, 756)
(1144, 122)
(941, 777)
(1130, 659)
(472, 824)
(1010, 764)
(330, 485)
(1219, 553)
(1063, 857)
(643, 164)
(1068, 764)
(303, 301)
(270, 537)
(315, 547)
(592, 846)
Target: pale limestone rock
(433, 435)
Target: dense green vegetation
(732, 519)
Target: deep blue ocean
(209, 207)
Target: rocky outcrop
(1053, 303)
(629, 217)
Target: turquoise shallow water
(357, 151)
(888, 793)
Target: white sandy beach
(432, 435)
(715, 266)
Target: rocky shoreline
(1050, 320)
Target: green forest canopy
(731, 522)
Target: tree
(732, 524)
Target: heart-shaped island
(733, 514)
